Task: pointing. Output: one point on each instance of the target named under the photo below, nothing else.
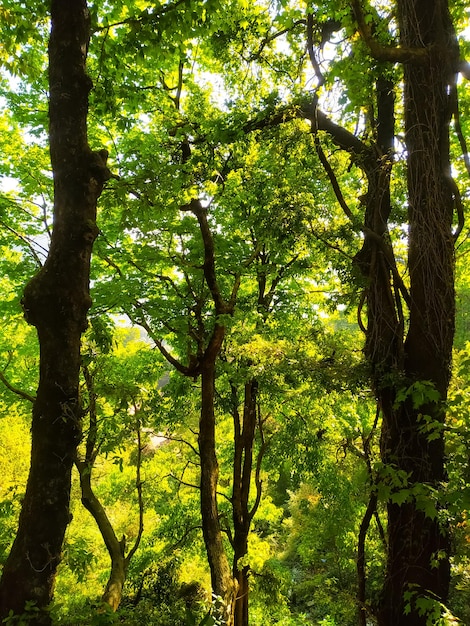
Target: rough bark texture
(56, 302)
(416, 540)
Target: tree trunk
(241, 617)
(116, 549)
(56, 301)
(112, 595)
(242, 516)
(418, 555)
(418, 549)
(223, 584)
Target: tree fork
(56, 302)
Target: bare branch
(27, 241)
(182, 482)
(187, 443)
(325, 242)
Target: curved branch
(193, 369)
(187, 443)
(26, 240)
(360, 307)
(140, 500)
(311, 52)
(200, 212)
(385, 53)
(15, 390)
(333, 180)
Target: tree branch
(138, 486)
(333, 180)
(259, 460)
(385, 53)
(15, 390)
(274, 36)
(200, 212)
(311, 52)
(143, 18)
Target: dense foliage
(247, 359)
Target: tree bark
(56, 302)
(418, 544)
(418, 553)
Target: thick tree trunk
(223, 584)
(112, 595)
(418, 556)
(56, 301)
(384, 347)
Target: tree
(418, 553)
(120, 557)
(56, 301)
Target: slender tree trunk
(242, 515)
(241, 617)
(209, 344)
(56, 301)
(116, 549)
(223, 584)
(418, 556)
(384, 292)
